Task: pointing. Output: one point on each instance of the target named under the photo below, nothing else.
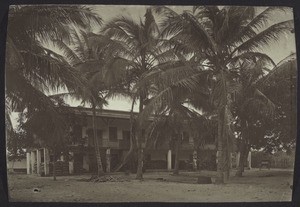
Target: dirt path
(257, 185)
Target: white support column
(62, 158)
(83, 132)
(38, 161)
(195, 158)
(32, 162)
(71, 163)
(46, 161)
(28, 161)
(169, 160)
(217, 156)
(108, 157)
(86, 162)
(249, 160)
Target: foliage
(222, 39)
(32, 69)
(15, 146)
(207, 59)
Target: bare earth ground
(264, 185)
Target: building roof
(103, 112)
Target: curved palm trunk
(176, 166)
(100, 171)
(131, 148)
(129, 153)
(139, 172)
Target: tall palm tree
(280, 86)
(169, 98)
(171, 123)
(99, 71)
(250, 105)
(221, 37)
(141, 51)
(32, 69)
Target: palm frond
(264, 38)
(257, 23)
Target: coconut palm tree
(279, 132)
(280, 86)
(171, 123)
(139, 47)
(32, 69)
(220, 37)
(99, 71)
(250, 105)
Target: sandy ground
(265, 185)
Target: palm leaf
(265, 37)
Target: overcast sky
(276, 51)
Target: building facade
(113, 134)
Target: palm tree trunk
(243, 151)
(242, 161)
(54, 164)
(240, 168)
(139, 172)
(220, 152)
(131, 148)
(176, 166)
(100, 171)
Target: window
(126, 135)
(113, 134)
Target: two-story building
(113, 132)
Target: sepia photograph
(150, 103)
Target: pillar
(86, 162)
(28, 163)
(33, 161)
(217, 156)
(108, 160)
(46, 161)
(195, 159)
(38, 162)
(71, 163)
(169, 160)
(249, 160)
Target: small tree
(15, 146)
(50, 129)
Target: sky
(277, 51)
